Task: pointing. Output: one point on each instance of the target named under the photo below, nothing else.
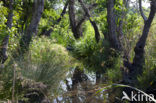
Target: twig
(14, 81)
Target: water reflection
(81, 87)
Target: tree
(136, 67)
(32, 28)
(138, 61)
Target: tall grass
(45, 62)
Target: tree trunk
(32, 28)
(139, 60)
(112, 35)
(77, 32)
(3, 51)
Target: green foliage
(101, 5)
(132, 22)
(102, 25)
(3, 13)
(4, 30)
(61, 34)
(48, 17)
(114, 74)
(6, 81)
(3, 20)
(147, 79)
(94, 56)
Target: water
(82, 92)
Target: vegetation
(77, 51)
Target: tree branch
(86, 10)
(63, 12)
(92, 6)
(85, 16)
(141, 11)
(48, 32)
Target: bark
(32, 28)
(3, 51)
(77, 32)
(112, 35)
(141, 11)
(87, 12)
(97, 33)
(48, 32)
(98, 77)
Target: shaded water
(81, 87)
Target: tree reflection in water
(82, 88)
